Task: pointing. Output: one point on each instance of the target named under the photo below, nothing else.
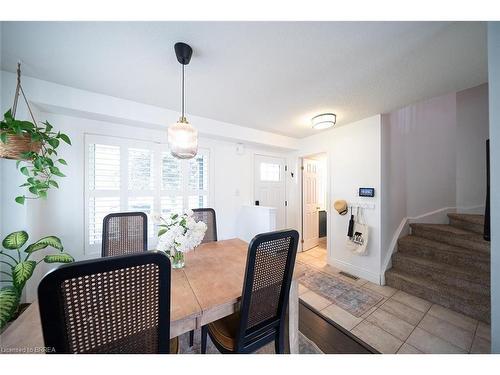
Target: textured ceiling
(268, 75)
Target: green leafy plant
(22, 266)
(40, 168)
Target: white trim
(328, 205)
(438, 216)
(358, 271)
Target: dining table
(207, 288)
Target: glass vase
(177, 259)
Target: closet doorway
(314, 204)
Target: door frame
(285, 181)
(300, 198)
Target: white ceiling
(268, 75)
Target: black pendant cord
(182, 101)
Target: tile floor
(400, 323)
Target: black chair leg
(191, 338)
(204, 334)
(279, 342)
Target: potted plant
(22, 265)
(33, 146)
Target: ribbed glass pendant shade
(183, 139)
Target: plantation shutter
(103, 185)
(128, 175)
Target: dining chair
(261, 318)
(124, 233)
(108, 305)
(207, 215)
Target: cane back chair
(116, 304)
(124, 233)
(261, 319)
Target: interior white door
(310, 204)
(269, 189)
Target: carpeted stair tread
(473, 223)
(447, 229)
(470, 218)
(441, 288)
(476, 281)
(469, 303)
(444, 253)
(451, 235)
(441, 246)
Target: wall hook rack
(366, 206)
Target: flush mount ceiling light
(323, 121)
(182, 137)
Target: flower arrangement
(178, 234)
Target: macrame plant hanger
(19, 90)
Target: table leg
(293, 318)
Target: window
(269, 172)
(128, 175)
(198, 181)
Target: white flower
(182, 233)
(157, 218)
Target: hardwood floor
(329, 336)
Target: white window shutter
(129, 175)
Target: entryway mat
(349, 297)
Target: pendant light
(182, 137)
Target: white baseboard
(354, 270)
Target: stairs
(448, 264)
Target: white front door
(269, 189)
(310, 206)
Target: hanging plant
(34, 146)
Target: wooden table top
(212, 280)
(215, 272)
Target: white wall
(433, 161)
(419, 167)
(353, 161)
(472, 133)
(494, 100)
(62, 214)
